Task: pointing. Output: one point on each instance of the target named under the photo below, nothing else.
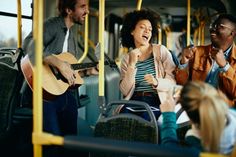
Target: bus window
(8, 20)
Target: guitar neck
(83, 66)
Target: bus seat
(112, 92)
(24, 109)
(112, 81)
(14, 139)
(84, 129)
(126, 126)
(11, 80)
(91, 109)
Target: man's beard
(78, 22)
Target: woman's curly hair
(130, 21)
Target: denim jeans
(150, 100)
(60, 115)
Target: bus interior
(16, 102)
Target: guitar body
(53, 83)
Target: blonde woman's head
(207, 109)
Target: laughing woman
(147, 70)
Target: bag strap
(160, 66)
(157, 50)
(179, 112)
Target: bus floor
(18, 141)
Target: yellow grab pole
(159, 34)
(37, 75)
(85, 39)
(101, 41)
(212, 155)
(139, 4)
(168, 37)
(199, 36)
(38, 137)
(195, 36)
(203, 33)
(188, 22)
(19, 25)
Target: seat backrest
(11, 79)
(112, 81)
(90, 88)
(112, 92)
(127, 126)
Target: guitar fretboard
(83, 65)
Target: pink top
(164, 66)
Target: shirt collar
(233, 55)
(62, 23)
(227, 52)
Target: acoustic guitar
(53, 82)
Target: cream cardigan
(164, 66)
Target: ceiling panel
(153, 4)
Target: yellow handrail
(85, 38)
(195, 36)
(101, 41)
(199, 35)
(159, 34)
(139, 4)
(90, 42)
(168, 38)
(203, 32)
(211, 155)
(188, 21)
(37, 73)
(19, 25)
(38, 137)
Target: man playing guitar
(60, 114)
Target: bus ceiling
(217, 5)
(172, 12)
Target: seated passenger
(181, 41)
(213, 123)
(147, 70)
(214, 63)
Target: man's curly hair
(130, 21)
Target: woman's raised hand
(169, 104)
(133, 56)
